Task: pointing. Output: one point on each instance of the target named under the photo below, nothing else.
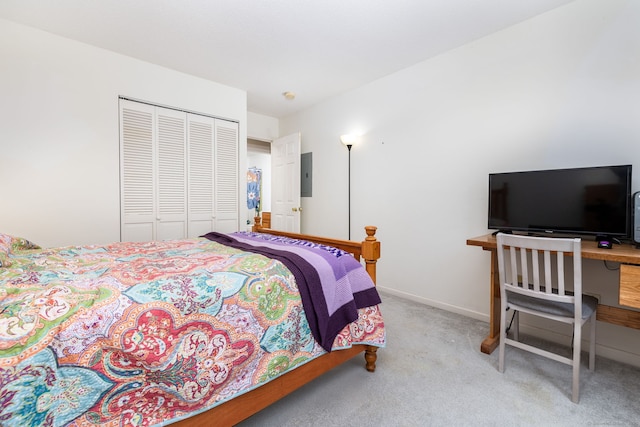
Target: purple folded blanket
(333, 285)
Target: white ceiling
(315, 49)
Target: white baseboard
(426, 301)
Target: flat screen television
(578, 201)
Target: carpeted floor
(432, 373)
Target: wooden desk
(625, 254)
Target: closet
(178, 173)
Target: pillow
(9, 244)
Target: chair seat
(563, 309)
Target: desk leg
(491, 342)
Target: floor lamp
(348, 141)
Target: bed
(193, 332)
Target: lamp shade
(349, 139)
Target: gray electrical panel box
(306, 166)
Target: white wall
(261, 127)
(559, 90)
(59, 147)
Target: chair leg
(503, 335)
(592, 343)
(577, 344)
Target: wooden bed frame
(243, 406)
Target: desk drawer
(630, 285)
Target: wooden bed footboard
(242, 407)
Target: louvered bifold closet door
(172, 174)
(226, 194)
(137, 187)
(200, 143)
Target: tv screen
(590, 201)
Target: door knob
(294, 209)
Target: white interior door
(285, 183)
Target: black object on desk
(605, 244)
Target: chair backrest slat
(548, 277)
(536, 270)
(560, 263)
(514, 264)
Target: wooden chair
(521, 260)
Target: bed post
(371, 251)
(257, 222)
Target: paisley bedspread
(142, 334)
